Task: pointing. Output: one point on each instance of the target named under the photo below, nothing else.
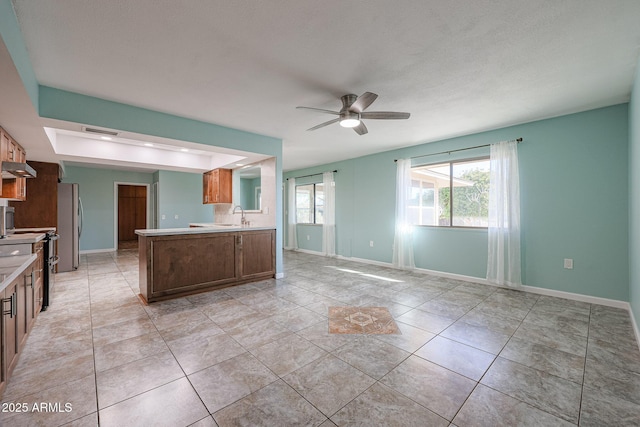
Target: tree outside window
(432, 186)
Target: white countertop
(197, 228)
(34, 230)
(15, 239)
(12, 267)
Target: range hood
(17, 170)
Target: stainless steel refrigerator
(69, 227)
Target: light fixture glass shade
(349, 123)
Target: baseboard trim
(635, 326)
(306, 251)
(365, 261)
(97, 251)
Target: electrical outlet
(308, 237)
(370, 243)
(568, 263)
(164, 216)
(176, 216)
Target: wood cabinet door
(23, 320)
(5, 145)
(21, 155)
(206, 187)
(132, 211)
(10, 328)
(225, 186)
(12, 154)
(33, 284)
(3, 344)
(256, 253)
(215, 185)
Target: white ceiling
(458, 67)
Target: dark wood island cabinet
(179, 263)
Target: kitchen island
(182, 261)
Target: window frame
(451, 164)
(313, 208)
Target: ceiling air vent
(100, 131)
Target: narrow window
(310, 204)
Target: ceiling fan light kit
(353, 111)
(349, 119)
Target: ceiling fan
(352, 113)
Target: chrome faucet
(243, 220)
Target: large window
(310, 204)
(450, 194)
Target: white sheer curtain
(329, 225)
(292, 233)
(403, 240)
(503, 261)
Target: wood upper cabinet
(11, 151)
(217, 186)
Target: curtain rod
(459, 149)
(313, 174)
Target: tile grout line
(93, 347)
(584, 369)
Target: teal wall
(12, 39)
(97, 194)
(309, 237)
(634, 197)
(574, 201)
(180, 194)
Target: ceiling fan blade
(384, 115)
(321, 125)
(361, 129)
(335, 113)
(363, 102)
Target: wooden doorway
(132, 214)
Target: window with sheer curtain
(310, 203)
(503, 260)
(451, 194)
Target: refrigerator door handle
(81, 216)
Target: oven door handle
(54, 260)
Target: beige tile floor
(261, 354)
